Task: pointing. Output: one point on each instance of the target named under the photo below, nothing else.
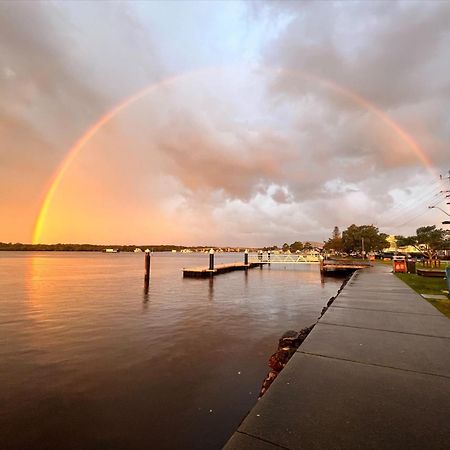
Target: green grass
(424, 285)
(442, 305)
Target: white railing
(285, 258)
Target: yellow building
(393, 247)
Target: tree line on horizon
(85, 247)
(428, 240)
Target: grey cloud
(63, 64)
(394, 54)
(379, 49)
(281, 196)
(201, 159)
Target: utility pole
(446, 222)
(446, 193)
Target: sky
(221, 123)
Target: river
(89, 360)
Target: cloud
(202, 159)
(62, 65)
(395, 55)
(382, 51)
(279, 149)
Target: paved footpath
(373, 373)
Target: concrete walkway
(373, 373)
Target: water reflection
(39, 288)
(211, 289)
(146, 296)
(78, 333)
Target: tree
(296, 246)
(285, 247)
(428, 240)
(307, 246)
(352, 239)
(335, 241)
(336, 233)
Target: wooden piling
(147, 267)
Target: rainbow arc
(81, 142)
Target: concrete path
(373, 373)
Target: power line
(424, 196)
(400, 214)
(419, 215)
(418, 203)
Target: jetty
(327, 266)
(373, 373)
(202, 272)
(212, 269)
(341, 266)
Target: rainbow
(77, 147)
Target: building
(393, 247)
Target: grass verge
(424, 285)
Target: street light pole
(437, 207)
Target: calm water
(88, 360)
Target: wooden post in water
(211, 260)
(268, 256)
(246, 258)
(147, 267)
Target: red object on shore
(399, 266)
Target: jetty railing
(285, 258)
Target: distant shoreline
(119, 248)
